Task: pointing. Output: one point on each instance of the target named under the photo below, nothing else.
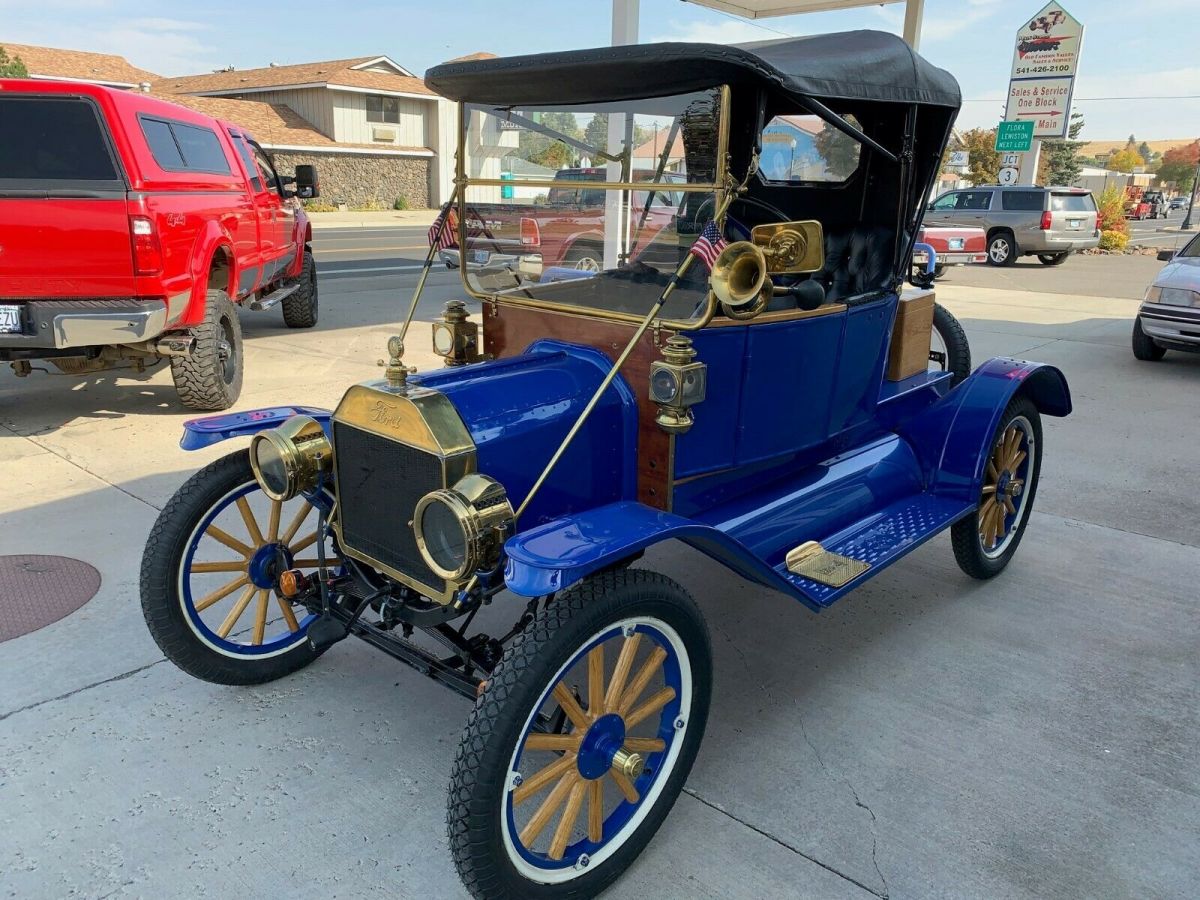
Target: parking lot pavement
(1037, 735)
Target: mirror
(1166, 255)
(308, 184)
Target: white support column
(625, 16)
(1029, 163)
(914, 12)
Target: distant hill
(1097, 149)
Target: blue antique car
(739, 366)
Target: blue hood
(519, 409)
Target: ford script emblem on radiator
(386, 414)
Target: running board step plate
(812, 561)
(266, 301)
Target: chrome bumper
(527, 264)
(956, 258)
(1171, 324)
(59, 324)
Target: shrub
(401, 203)
(1110, 211)
(319, 206)
(1113, 240)
(371, 204)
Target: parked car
(1169, 317)
(1158, 203)
(1180, 202)
(131, 229)
(953, 246)
(767, 400)
(1047, 222)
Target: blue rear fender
(209, 430)
(952, 437)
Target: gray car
(1047, 222)
(1169, 317)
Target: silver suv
(1048, 222)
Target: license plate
(955, 243)
(10, 319)
(1074, 223)
(481, 256)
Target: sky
(1140, 50)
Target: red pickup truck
(130, 230)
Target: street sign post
(1008, 175)
(1045, 61)
(1014, 137)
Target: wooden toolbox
(909, 353)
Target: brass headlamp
(461, 530)
(677, 382)
(291, 458)
(456, 337)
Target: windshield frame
(722, 184)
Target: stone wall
(358, 179)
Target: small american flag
(709, 245)
(444, 231)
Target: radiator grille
(379, 482)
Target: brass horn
(740, 280)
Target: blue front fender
(953, 436)
(209, 430)
(553, 556)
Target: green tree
(545, 150)
(1125, 160)
(1145, 152)
(12, 67)
(596, 133)
(1179, 166)
(984, 167)
(839, 151)
(1060, 162)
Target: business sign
(1045, 61)
(1014, 137)
(960, 158)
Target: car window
(1023, 200)
(806, 149)
(201, 149)
(162, 144)
(270, 179)
(946, 201)
(248, 161)
(1072, 203)
(51, 139)
(1191, 249)
(974, 200)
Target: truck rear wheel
(211, 378)
(300, 309)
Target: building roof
(104, 68)
(471, 57)
(329, 73)
(653, 148)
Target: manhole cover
(38, 590)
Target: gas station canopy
(765, 9)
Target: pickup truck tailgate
(64, 223)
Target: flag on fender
(709, 244)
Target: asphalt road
(1033, 737)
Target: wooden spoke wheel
(582, 739)
(211, 570)
(984, 542)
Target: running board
(266, 301)
(843, 561)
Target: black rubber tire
(939, 271)
(1053, 259)
(477, 782)
(581, 251)
(208, 380)
(958, 349)
(1007, 240)
(300, 309)
(964, 534)
(1144, 347)
(161, 607)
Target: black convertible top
(851, 65)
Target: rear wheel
(1144, 347)
(986, 540)
(585, 258)
(581, 741)
(211, 378)
(1052, 259)
(1002, 249)
(300, 309)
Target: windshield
(592, 206)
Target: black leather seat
(857, 261)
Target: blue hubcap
(601, 743)
(267, 563)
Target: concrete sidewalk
(1034, 736)
(373, 218)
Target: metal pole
(914, 12)
(462, 261)
(1187, 220)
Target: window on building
(1023, 200)
(383, 109)
(805, 148)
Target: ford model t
(737, 366)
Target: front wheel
(581, 741)
(986, 540)
(300, 309)
(1052, 259)
(1144, 347)
(209, 580)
